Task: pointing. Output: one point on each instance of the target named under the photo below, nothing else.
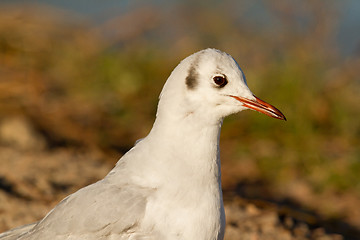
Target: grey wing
(16, 232)
(97, 210)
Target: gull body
(168, 186)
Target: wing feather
(16, 232)
(97, 210)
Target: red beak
(261, 106)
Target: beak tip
(280, 115)
(261, 106)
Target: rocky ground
(34, 178)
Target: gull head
(210, 85)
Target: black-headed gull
(168, 185)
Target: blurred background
(80, 80)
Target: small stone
(17, 132)
(289, 222)
(252, 210)
(301, 230)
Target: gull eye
(220, 81)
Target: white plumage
(168, 185)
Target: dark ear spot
(192, 77)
